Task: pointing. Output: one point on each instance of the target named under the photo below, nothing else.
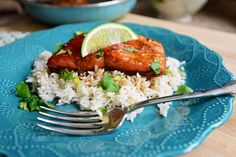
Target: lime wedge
(106, 35)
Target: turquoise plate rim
(203, 134)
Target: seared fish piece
(130, 57)
(74, 61)
(135, 56)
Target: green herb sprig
(131, 49)
(182, 89)
(59, 47)
(100, 53)
(30, 102)
(109, 84)
(64, 52)
(155, 66)
(60, 50)
(80, 32)
(22, 90)
(167, 72)
(103, 110)
(67, 75)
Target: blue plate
(186, 126)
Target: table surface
(222, 141)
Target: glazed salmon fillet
(74, 61)
(135, 56)
(130, 57)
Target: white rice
(89, 95)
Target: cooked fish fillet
(74, 61)
(129, 57)
(135, 56)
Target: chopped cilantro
(69, 52)
(167, 71)
(182, 72)
(59, 47)
(118, 77)
(76, 81)
(22, 90)
(103, 110)
(33, 103)
(60, 52)
(23, 106)
(50, 105)
(29, 102)
(64, 51)
(43, 103)
(156, 67)
(182, 89)
(100, 53)
(67, 75)
(109, 84)
(80, 32)
(131, 49)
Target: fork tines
(74, 123)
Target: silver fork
(91, 123)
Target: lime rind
(106, 35)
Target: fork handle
(229, 88)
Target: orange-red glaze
(146, 51)
(116, 57)
(74, 61)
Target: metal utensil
(91, 123)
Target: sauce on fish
(131, 57)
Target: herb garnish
(69, 52)
(109, 84)
(182, 72)
(131, 49)
(118, 77)
(80, 32)
(67, 75)
(60, 50)
(156, 67)
(59, 47)
(103, 110)
(167, 71)
(33, 103)
(64, 51)
(28, 102)
(22, 90)
(76, 80)
(100, 53)
(182, 89)
(23, 106)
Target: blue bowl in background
(103, 11)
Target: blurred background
(213, 14)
